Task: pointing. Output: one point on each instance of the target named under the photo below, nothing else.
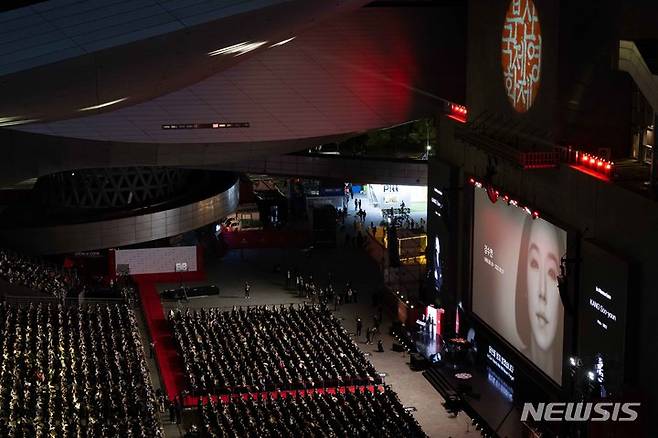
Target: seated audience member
(359, 414)
(262, 349)
(72, 372)
(38, 275)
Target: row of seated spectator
(38, 275)
(263, 349)
(359, 414)
(73, 372)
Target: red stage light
(599, 163)
(592, 161)
(584, 158)
(458, 112)
(607, 166)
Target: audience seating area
(73, 372)
(267, 348)
(36, 274)
(358, 414)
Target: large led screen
(516, 264)
(602, 314)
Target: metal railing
(510, 139)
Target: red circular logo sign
(521, 54)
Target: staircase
(440, 383)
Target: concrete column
(653, 178)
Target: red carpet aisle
(169, 364)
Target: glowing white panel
(103, 105)
(238, 49)
(11, 121)
(280, 43)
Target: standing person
(179, 411)
(247, 289)
(359, 326)
(172, 412)
(368, 335)
(159, 399)
(359, 204)
(373, 332)
(288, 279)
(356, 204)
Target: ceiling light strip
(103, 105)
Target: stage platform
(428, 345)
(484, 396)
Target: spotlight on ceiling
(280, 43)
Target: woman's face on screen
(543, 294)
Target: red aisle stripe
(169, 363)
(192, 401)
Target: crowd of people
(37, 275)
(267, 348)
(307, 287)
(359, 414)
(73, 371)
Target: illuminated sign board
(606, 315)
(521, 54)
(503, 388)
(500, 363)
(602, 314)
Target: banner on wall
(156, 260)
